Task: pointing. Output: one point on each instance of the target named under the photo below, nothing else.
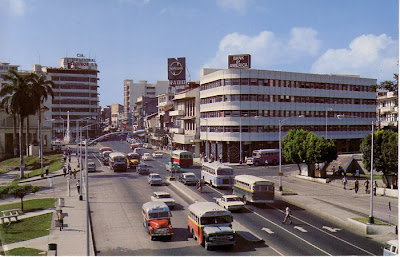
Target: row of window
(72, 94)
(72, 109)
(283, 113)
(228, 129)
(284, 98)
(80, 79)
(75, 101)
(284, 83)
(75, 86)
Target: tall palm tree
(20, 102)
(6, 104)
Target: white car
(157, 154)
(91, 166)
(188, 178)
(230, 202)
(154, 179)
(146, 157)
(164, 197)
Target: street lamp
(371, 201)
(280, 148)
(326, 122)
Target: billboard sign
(177, 72)
(239, 61)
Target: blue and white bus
(217, 174)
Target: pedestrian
(78, 186)
(211, 157)
(344, 181)
(60, 215)
(266, 163)
(366, 185)
(69, 158)
(220, 157)
(64, 171)
(356, 185)
(288, 213)
(74, 173)
(375, 186)
(47, 170)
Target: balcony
(387, 109)
(177, 113)
(176, 130)
(183, 139)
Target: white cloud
(266, 49)
(15, 7)
(367, 55)
(239, 6)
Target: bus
(157, 219)
(210, 224)
(117, 161)
(217, 174)
(259, 157)
(254, 189)
(183, 158)
(133, 159)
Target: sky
(132, 39)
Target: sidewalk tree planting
(385, 155)
(302, 146)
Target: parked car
(157, 154)
(91, 166)
(165, 198)
(142, 168)
(154, 179)
(230, 202)
(172, 167)
(188, 178)
(146, 157)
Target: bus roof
(216, 164)
(155, 205)
(181, 151)
(251, 179)
(267, 150)
(204, 208)
(115, 154)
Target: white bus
(254, 189)
(217, 174)
(117, 161)
(210, 224)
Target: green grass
(31, 205)
(26, 229)
(365, 220)
(376, 176)
(288, 192)
(22, 251)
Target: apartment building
(245, 108)
(388, 110)
(117, 112)
(76, 92)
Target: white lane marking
(300, 229)
(269, 231)
(334, 230)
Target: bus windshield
(260, 187)
(224, 172)
(159, 215)
(216, 220)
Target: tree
(20, 102)
(302, 146)
(21, 191)
(6, 104)
(385, 152)
(390, 85)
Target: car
(164, 197)
(157, 154)
(134, 145)
(146, 157)
(188, 178)
(91, 166)
(105, 157)
(172, 167)
(154, 179)
(230, 202)
(147, 146)
(142, 168)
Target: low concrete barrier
(387, 192)
(319, 180)
(370, 229)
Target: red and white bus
(259, 157)
(210, 224)
(183, 158)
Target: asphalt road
(116, 200)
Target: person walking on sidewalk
(288, 213)
(64, 171)
(60, 215)
(375, 187)
(220, 157)
(78, 186)
(366, 185)
(47, 170)
(344, 181)
(266, 163)
(74, 173)
(356, 185)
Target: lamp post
(280, 149)
(371, 195)
(326, 122)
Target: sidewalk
(72, 240)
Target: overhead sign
(239, 61)
(177, 72)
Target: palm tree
(19, 102)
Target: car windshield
(164, 196)
(190, 176)
(155, 176)
(232, 199)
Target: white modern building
(388, 110)
(243, 108)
